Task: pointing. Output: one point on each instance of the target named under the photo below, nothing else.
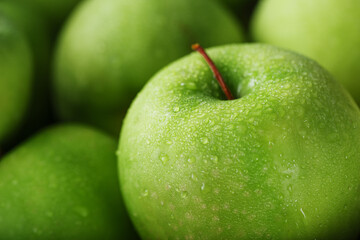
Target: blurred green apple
(325, 30)
(62, 184)
(35, 30)
(15, 78)
(37, 33)
(55, 11)
(281, 161)
(109, 49)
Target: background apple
(325, 30)
(55, 10)
(15, 78)
(243, 10)
(109, 49)
(281, 161)
(62, 184)
(36, 31)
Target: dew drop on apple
(164, 158)
(302, 212)
(176, 109)
(191, 86)
(191, 160)
(194, 177)
(145, 193)
(287, 86)
(204, 140)
(184, 194)
(214, 159)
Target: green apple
(325, 30)
(62, 184)
(15, 78)
(55, 11)
(37, 33)
(34, 28)
(109, 49)
(281, 161)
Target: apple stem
(217, 75)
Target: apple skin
(15, 78)
(325, 30)
(62, 184)
(280, 162)
(109, 49)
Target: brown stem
(217, 75)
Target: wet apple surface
(281, 161)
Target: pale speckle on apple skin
(258, 151)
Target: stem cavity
(217, 75)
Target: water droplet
(191, 160)
(202, 187)
(169, 142)
(215, 159)
(251, 217)
(302, 212)
(290, 188)
(204, 140)
(191, 86)
(287, 86)
(145, 193)
(258, 192)
(176, 109)
(194, 177)
(164, 158)
(184, 194)
(287, 175)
